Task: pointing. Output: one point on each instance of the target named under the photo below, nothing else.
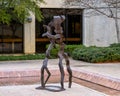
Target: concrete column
(87, 30)
(29, 36)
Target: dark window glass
(11, 38)
(72, 27)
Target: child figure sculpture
(56, 39)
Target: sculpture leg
(70, 73)
(42, 77)
(44, 67)
(61, 71)
(49, 74)
(68, 69)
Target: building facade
(78, 29)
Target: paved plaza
(30, 90)
(107, 74)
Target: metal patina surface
(56, 39)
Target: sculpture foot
(40, 88)
(62, 89)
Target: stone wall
(98, 30)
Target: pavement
(106, 74)
(76, 90)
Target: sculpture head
(58, 19)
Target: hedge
(68, 49)
(77, 52)
(22, 57)
(97, 54)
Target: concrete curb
(80, 74)
(98, 79)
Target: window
(72, 26)
(11, 38)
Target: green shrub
(115, 45)
(68, 49)
(54, 51)
(23, 57)
(78, 52)
(97, 54)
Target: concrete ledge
(80, 74)
(24, 73)
(98, 79)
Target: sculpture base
(53, 88)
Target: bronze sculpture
(56, 39)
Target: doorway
(72, 26)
